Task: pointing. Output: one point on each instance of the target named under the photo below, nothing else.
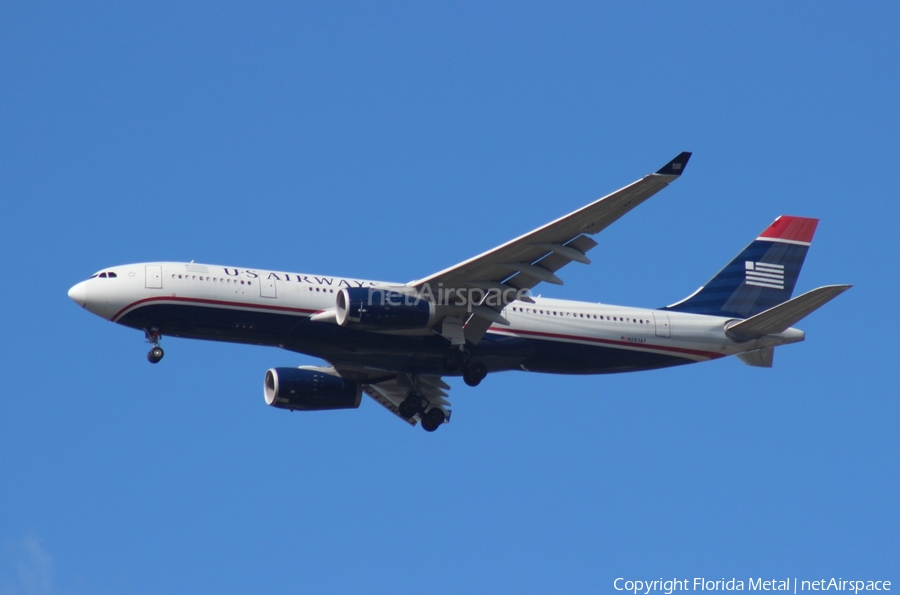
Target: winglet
(676, 166)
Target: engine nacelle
(310, 389)
(382, 309)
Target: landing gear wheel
(433, 419)
(411, 405)
(455, 359)
(153, 336)
(474, 373)
(155, 355)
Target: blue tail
(762, 276)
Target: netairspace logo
(784, 585)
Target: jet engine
(375, 308)
(310, 389)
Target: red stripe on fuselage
(635, 346)
(499, 330)
(170, 298)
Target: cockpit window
(112, 275)
(103, 275)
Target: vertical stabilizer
(762, 276)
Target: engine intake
(310, 389)
(382, 309)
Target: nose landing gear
(156, 353)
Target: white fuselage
(236, 295)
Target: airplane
(396, 342)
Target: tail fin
(762, 276)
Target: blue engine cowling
(309, 389)
(382, 309)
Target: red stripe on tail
(795, 229)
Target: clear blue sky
(389, 141)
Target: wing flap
(391, 404)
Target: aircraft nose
(78, 293)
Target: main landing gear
(156, 352)
(433, 419)
(415, 403)
(473, 371)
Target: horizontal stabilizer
(783, 316)
(758, 358)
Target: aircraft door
(267, 288)
(661, 320)
(153, 276)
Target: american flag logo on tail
(762, 274)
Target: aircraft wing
(527, 260)
(389, 389)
